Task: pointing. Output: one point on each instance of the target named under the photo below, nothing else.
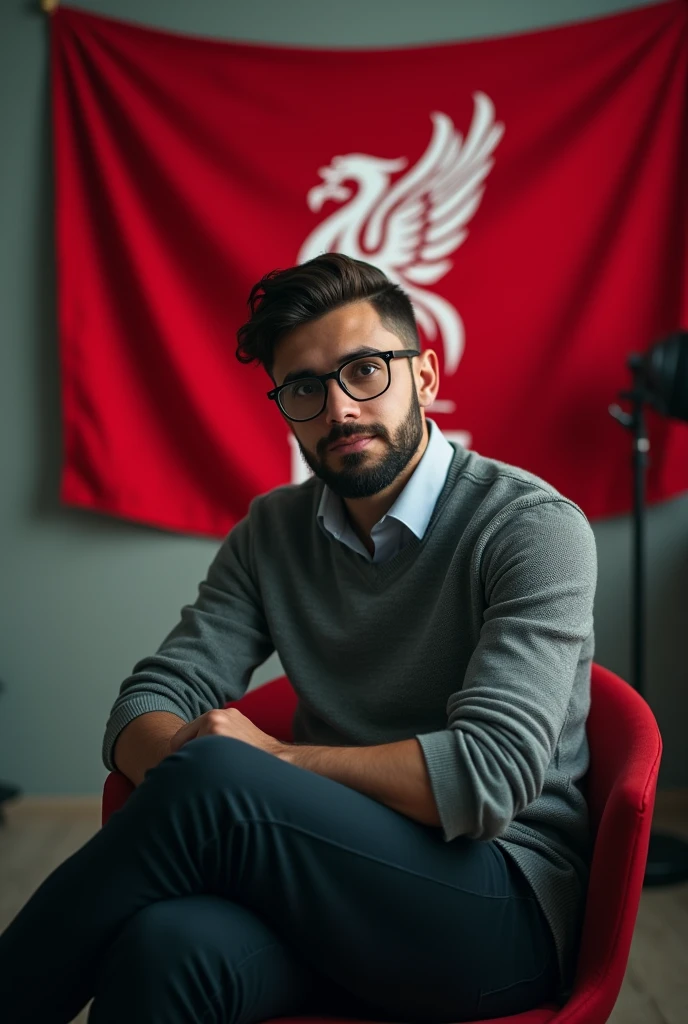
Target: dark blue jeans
(234, 887)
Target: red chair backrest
(625, 753)
(270, 707)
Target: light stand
(8, 790)
(660, 378)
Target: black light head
(664, 368)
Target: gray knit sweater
(477, 640)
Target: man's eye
(303, 390)
(366, 369)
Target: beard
(357, 480)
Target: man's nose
(340, 406)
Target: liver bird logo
(411, 228)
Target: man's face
(383, 434)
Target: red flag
(529, 192)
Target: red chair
(625, 752)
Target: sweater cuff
(126, 713)
(454, 800)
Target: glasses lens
(366, 377)
(302, 399)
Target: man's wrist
(285, 752)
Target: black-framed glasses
(362, 378)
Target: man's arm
(505, 720)
(392, 773)
(204, 662)
(145, 742)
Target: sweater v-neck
(380, 574)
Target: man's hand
(227, 722)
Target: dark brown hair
(284, 299)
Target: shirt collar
(416, 503)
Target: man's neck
(364, 513)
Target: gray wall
(82, 596)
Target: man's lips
(352, 444)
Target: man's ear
(427, 377)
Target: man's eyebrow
(365, 350)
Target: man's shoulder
(513, 516)
(512, 479)
(499, 491)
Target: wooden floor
(40, 833)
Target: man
(420, 852)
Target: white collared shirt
(410, 513)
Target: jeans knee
(217, 760)
(219, 752)
(157, 964)
(213, 771)
(149, 945)
(210, 748)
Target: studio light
(660, 379)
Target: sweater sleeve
(209, 656)
(538, 574)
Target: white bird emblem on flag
(409, 229)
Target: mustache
(340, 433)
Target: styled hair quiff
(284, 299)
